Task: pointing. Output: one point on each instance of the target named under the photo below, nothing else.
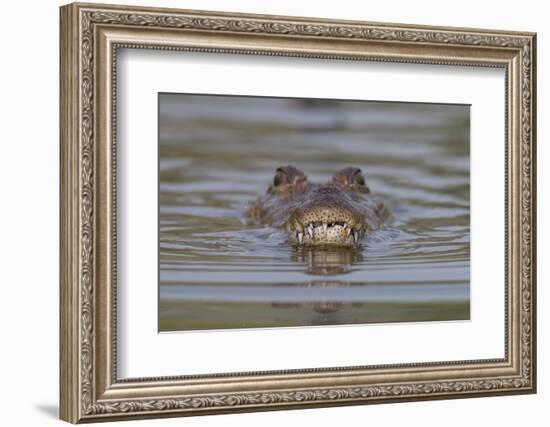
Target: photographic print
(293, 212)
(225, 186)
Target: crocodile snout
(327, 216)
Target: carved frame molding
(90, 37)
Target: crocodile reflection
(324, 262)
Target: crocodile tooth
(347, 230)
(300, 237)
(355, 235)
(325, 226)
(309, 230)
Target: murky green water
(219, 153)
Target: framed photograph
(266, 212)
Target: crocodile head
(339, 212)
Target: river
(219, 153)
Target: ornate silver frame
(90, 36)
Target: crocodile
(339, 212)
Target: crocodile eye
(280, 178)
(351, 177)
(287, 179)
(358, 179)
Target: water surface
(218, 153)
